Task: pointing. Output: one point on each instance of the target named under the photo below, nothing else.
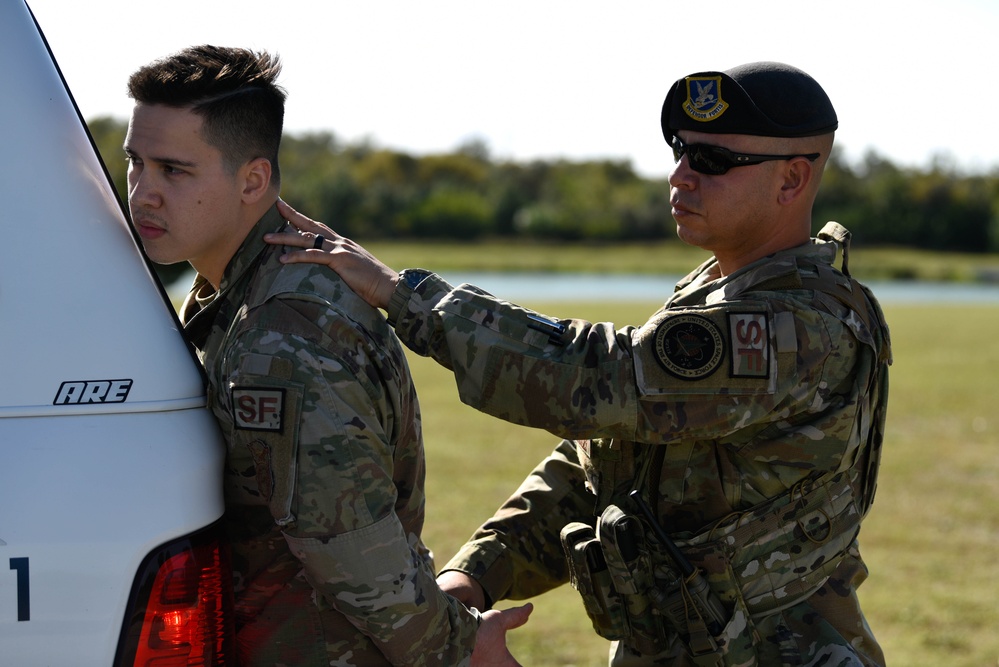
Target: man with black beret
(718, 460)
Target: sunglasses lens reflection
(702, 158)
(707, 160)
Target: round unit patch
(689, 346)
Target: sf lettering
(258, 409)
(750, 335)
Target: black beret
(765, 98)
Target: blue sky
(563, 78)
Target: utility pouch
(588, 574)
(630, 565)
(682, 595)
(693, 613)
(622, 539)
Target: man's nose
(682, 176)
(142, 189)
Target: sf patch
(688, 346)
(704, 101)
(258, 409)
(750, 336)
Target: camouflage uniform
(748, 412)
(324, 481)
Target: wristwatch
(413, 277)
(408, 281)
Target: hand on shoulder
(372, 280)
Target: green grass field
(931, 541)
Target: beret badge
(704, 101)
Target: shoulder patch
(258, 409)
(750, 336)
(688, 346)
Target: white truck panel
(107, 450)
(78, 302)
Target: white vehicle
(110, 463)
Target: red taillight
(180, 611)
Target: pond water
(519, 287)
(594, 287)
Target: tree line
(370, 192)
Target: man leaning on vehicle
(324, 477)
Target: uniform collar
(251, 249)
(704, 286)
(203, 301)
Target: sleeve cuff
(411, 308)
(483, 561)
(409, 280)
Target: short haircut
(234, 91)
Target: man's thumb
(517, 616)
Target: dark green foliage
(369, 192)
(934, 209)
(449, 212)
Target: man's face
(731, 213)
(184, 202)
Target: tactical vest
(641, 587)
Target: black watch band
(408, 281)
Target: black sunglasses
(715, 160)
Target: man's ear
(256, 179)
(797, 174)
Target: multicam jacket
(324, 480)
(748, 412)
